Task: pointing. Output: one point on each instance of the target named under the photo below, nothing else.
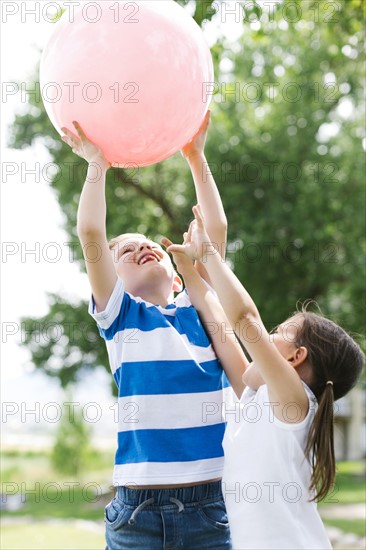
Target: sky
(35, 254)
(31, 217)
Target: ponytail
(336, 362)
(320, 445)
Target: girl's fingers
(190, 229)
(198, 214)
(166, 242)
(176, 248)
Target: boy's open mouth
(148, 257)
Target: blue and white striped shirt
(170, 391)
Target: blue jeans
(189, 518)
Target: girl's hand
(196, 241)
(182, 261)
(179, 252)
(197, 144)
(84, 148)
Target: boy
(170, 381)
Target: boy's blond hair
(116, 240)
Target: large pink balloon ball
(135, 75)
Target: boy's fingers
(79, 130)
(67, 132)
(68, 140)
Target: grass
(349, 488)
(49, 537)
(45, 493)
(16, 466)
(53, 496)
(62, 502)
(355, 526)
(350, 485)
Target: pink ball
(135, 76)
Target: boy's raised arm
(206, 190)
(91, 218)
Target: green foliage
(285, 148)
(72, 449)
(65, 342)
(204, 9)
(295, 204)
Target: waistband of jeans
(186, 495)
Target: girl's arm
(91, 218)
(277, 371)
(212, 315)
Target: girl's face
(284, 337)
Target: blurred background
(286, 147)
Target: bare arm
(212, 315)
(283, 382)
(91, 218)
(207, 193)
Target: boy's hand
(196, 241)
(197, 144)
(84, 148)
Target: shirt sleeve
(183, 300)
(105, 318)
(262, 398)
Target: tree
(285, 148)
(72, 445)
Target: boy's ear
(177, 283)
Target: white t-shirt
(266, 477)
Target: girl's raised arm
(276, 368)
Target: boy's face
(144, 266)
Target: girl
(279, 452)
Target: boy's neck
(156, 298)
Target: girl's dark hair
(336, 363)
